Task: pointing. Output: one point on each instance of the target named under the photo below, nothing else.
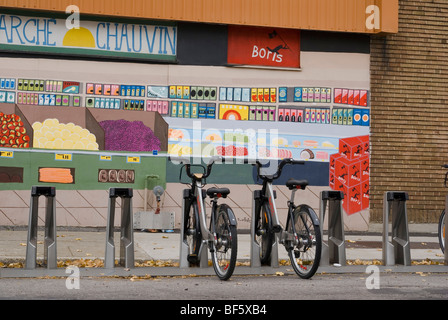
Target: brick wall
(409, 116)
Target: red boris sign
(263, 47)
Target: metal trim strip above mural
(332, 15)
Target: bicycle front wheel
(441, 231)
(263, 235)
(225, 244)
(305, 255)
(192, 234)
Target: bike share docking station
(398, 251)
(255, 260)
(334, 251)
(127, 233)
(50, 228)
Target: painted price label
(133, 159)
(106, 158)
(7, 154)
(63, 156)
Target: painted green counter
(85, 167)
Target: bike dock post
(183, 255)
(334, 251)
(184, 251)
(127, 235)
(50, 228)
(398, 251)
(255, 261)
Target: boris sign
(263, 47)
(156, 42)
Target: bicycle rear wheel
(441, 231)
(225, 245)
(192, 234)
(263, 235)
(305, 256)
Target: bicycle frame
(268, 192)
(200, 202)
(287, 236)
(195, 196)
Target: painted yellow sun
(81, 37)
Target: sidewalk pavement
(89, 245)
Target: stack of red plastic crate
(350, 172)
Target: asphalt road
(186, 290)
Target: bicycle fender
(313, 214)
(232, 217)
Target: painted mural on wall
(344, 159)
(221, 111)
(73, 145)
(327, 125)
(226, 116)
(257, 122)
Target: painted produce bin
(150, 119)
(67, 127)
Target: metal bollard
(50, 228)
(398, 251)
(334, 251)
(127, 232)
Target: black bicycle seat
(296, 184)
(218, 192)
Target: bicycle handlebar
(187, 164)
(446, 176)
(279, 168)
(213, 159)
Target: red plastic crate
(348, 171)
(365, 191)
(353, 199)
(365, 140)
(365, 168)
(351, 148)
